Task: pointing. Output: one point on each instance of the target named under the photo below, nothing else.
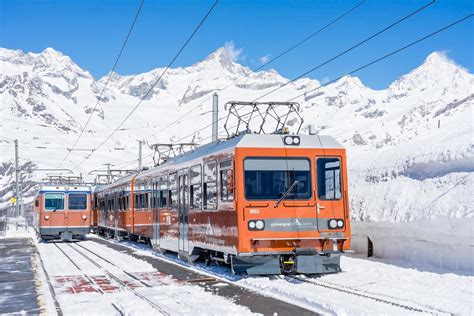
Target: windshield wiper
(286, 193)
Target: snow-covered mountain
(410, 146)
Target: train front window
(53, 201)
(270, 178)
(77, 201)
(329, 178)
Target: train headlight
(46, 217)
(332, 223)
(340, 223)
(292, 140)
(84, 217)
(256, 225)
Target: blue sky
(91, 32)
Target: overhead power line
(270, 61)
(387, 55)
(155, 83)
(107, 81)
(336, 56)
(356, 69)
(349, 49)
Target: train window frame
(172, 191)
(210, 183)
(195, 182)
(69, 201)
(226, 168)
(341, 183)
(163, 191)
(54, 209)
(311, 187)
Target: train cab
(292, 201)
(62, 212)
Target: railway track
(81, 250)
(363, 294)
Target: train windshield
(270, 178)
(77, 201)
(53, 201)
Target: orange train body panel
(253, 201)
(62, 212)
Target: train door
(116, 211)
(155, 212)
(329, 197)
(183, 209)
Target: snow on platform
(89, 278)
(18, 292)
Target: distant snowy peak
(437, 71)
(46, 62)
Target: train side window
(195, 187)
(154, 195)
(329, 178)
(173, 193)
(37, 203)
(163, 198)
(77, 201)
(146, 198)
(163, 187)
(226, 181)
(137, 199)
(210, 186)
(54, 201)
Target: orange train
(62, 212)
(265, 204)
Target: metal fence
(8, 216)
(3, 222)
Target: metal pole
(109, 175)
(140, 156)
(215, 116)
(17, 181)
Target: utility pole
(215, 116)
(17, 181)
(109, 175)
(140, 155)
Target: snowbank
(440, 242)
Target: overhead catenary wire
(107, 81)
(270, 61)
(334, 57)
(348, 49)
(154, 84)
(423, 38)
(386, 56)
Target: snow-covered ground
(87, 289)
(410, 146)
(440, 292)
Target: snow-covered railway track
(375, 297)
(91, 280)
(118, 280)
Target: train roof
(64, 188)
(250, 141)
(240, 141)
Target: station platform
(18, 290)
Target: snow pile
(410, 146)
